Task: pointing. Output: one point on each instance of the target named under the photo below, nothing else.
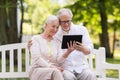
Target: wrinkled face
(52, 27)
(65, 21)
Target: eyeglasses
(64, 22)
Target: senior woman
(46, 55)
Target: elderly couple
(49, 61)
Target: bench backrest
(96, 60)
(8, 69)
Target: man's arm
(29, 44)
(80, 47)
(86, 46)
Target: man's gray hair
(64, 10)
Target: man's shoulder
(56, 38)
(75, 26)
(59, 34)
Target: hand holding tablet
(68, 38)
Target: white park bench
(8, 70)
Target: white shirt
(76, 60)
(43, 54)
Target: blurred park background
(21, 19)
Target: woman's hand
(59, 68)
(70, 49)
(71, 46)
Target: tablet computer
(68, 38)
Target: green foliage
(38, 11)
(87, 12)
(84, 11)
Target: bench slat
(19, 55)
(27, 61)
(14, 75)
(11, 61)
(3, 61)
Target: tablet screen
(68, 38)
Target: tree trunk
(22, 17)
(114, 38)
(12, 17)
(3, 21)
(13, 31)
(104, 36)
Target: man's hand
(80, 47)
(29, 44)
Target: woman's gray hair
(63, 10)
(50, 19)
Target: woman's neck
(47, 36)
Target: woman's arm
(63, 56)
(36, 57)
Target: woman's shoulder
(36, 37)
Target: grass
(110, 72)
(115, 60)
